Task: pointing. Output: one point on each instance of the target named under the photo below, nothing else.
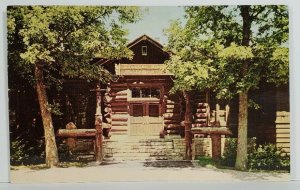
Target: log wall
(119, 109)
(283, 130)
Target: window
(145, 93)
(144, 50)
(137, 110)
(153, 110)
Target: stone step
(128, 154)
(137, 151)
(130, 158)
(138, 144)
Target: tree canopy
(66, 38)
(230, 50)
(47, 44)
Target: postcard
(148, 93)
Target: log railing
(71, 133)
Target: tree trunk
(50, 144)
(241, 157)
(98, 126)
(188, 125)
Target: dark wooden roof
(143, 38)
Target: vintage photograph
(149, 93)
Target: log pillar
(217, 116)
(98, 126)
(188, 126)
(71, 141)
(216, 146)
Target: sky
(154, 20)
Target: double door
(145, 118)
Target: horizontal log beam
(76, 133)
(211, 130)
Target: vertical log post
(71, 141)
(227, 109)
(216, 146)
(98, 126)
(217, 116)
(188, 126)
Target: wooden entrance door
(145, 118)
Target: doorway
(145, 118)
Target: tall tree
(47, 44)
(243, 45)
(190, 66)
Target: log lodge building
(143, 120)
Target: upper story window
(145, 93)
(144, 50)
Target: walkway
(156, 171)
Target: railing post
(98, 126)
(216, 146)
(217, 117)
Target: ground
(155, 171)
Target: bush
(268, 157)
(18, 153)
(263, 157)
(229, 156)
(65, 154)
(23, 152)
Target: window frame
(144, 50)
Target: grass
(207, 161)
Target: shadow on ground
(169, 164)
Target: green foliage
(206, 161)
(238, 47)
(190, 63)
(55, 108)
(268, 157)
(65, 155)
(24, 152)
(263, 157)
(229, 156)
(211, 40)
(18, 153)
(64, 40)
(236, 52)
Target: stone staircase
(139, 148)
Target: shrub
(229, 156)
(65, 154)
(18, 153)
(263, 157)
(268, 157)
(23, 152)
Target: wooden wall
(119, 109)
(154, 55)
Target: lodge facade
(138, 102)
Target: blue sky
(154, 20)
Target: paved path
(139, 171)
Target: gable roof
(146, 38)
(131, 44)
